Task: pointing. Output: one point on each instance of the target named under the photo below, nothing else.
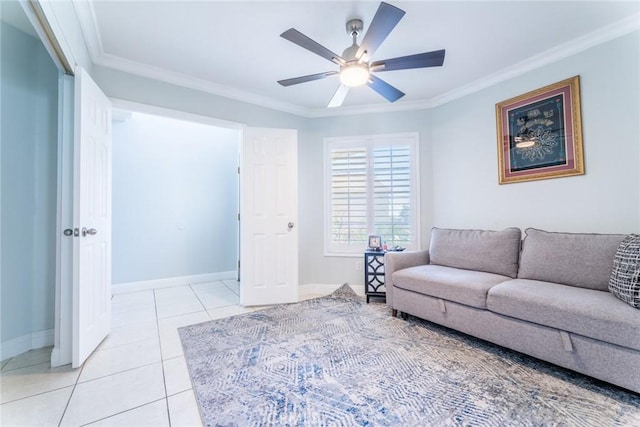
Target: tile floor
(136, 377)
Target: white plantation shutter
(392, 194)
(349, 196)
(371, 188)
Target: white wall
(605, 199)
(175, 199)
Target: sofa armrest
(394, 261)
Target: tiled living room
(432, 207)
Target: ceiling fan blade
(420, 60)
(295, 36)
(385, 89)
(339, 96)
(383, 22)
(309, 78)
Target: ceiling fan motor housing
(354, 25)
(355, 68)
(354, 28)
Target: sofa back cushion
(575, 259)
(483, 250)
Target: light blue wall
(28, 194)
(314, 266)
(459, 166)
(458, 157)
(175, 199)
(605, 199)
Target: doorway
(180, 174)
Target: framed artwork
(375, 243)
(540, 134)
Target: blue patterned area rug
(337, 361)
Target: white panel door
(91, 304)
(268, 216)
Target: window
(371, 187)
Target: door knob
(91, 231)
(290, 225)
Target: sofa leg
(394, 312)
(404, 316)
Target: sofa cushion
(453, 284)
(583, 260)
(587, 312)
(625, 278)
(489, 251)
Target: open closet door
(91, 305)
(268, 216)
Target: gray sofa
(545, 296)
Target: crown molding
(183, 80)
(90, 30)
(562, 51)
(122, 105)
(88, 21)
(89, 27)
(565, 50)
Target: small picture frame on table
(375, 243)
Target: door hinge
(238, 170)
(238, 263)
(238, 217)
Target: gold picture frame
(540, 134)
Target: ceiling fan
(355, 66)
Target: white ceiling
(233, 48)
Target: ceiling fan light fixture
(354, 74)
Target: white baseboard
(327, 288)
(25, 343)
(145, 285)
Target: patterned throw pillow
(625, 278)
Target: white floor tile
(183, 410)
(216, 296)
(123, 383)
(153, 414)
(169, 339)
(129, 317)
(234, 285)
(136, 332)
(127, 309)
(169, 305)
(133, 300)
(41, 410)
(176, 375)
(30, 358)
(198, 287)
(118, 359)
(104, 397)
(172, 292)
(41, 378)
